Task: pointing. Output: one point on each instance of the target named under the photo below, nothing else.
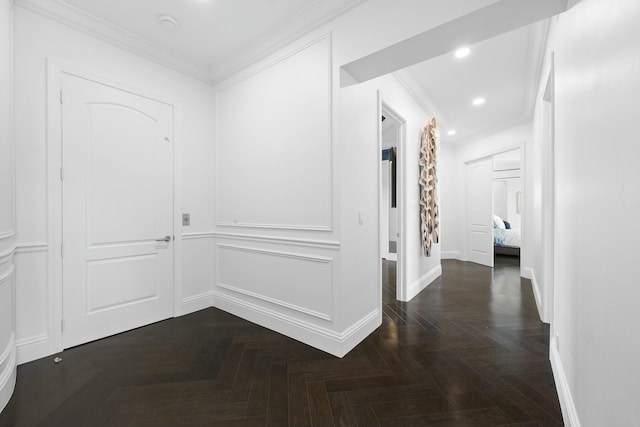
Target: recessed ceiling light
(451, 132)
(462, 52)
(168, 22)
(478, 101)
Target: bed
(506, 240)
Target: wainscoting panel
(32, 310)
(298, 283)
(273, 143)
(7, 327)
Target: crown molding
(484, 134)
(84, 22)
(411, 85)
(538, 38)
(294, 27)
(311, 18)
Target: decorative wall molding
(417, 286)
(7, 274)
(249, 72)
(413, 88)
(86, 23)
(305, 22)
(335, 343)
(7, 371)
(568, 406)
(281, 56)
(7, 234)
(6, 352)
(314, 258)
(272, 43)
(7, 255)
(32, 348)
(323, 244)
(275, 301)
(325, 316)
(32, 247)
(198, 235)
(275, 226)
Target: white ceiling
(216, 37)
(209, 29)
(503, 70)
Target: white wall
(38, 39)
(505, 194)
(500, 203)
(450, 177)
(7, 208)
(514, 187)
(597, 92)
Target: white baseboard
(32, 348)
(529, 273)
(526, 272)
(450, 255)
(335, 343)
(197, 302)
(569, 412)
(7, 371)
(417, 286)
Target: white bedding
(510, 237)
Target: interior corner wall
(38, 39)
(450, 179)
(7, 209)
(314, 247)
(594, 350)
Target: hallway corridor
(468, 351)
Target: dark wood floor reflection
(468, 351)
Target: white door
(480, 211)
(117, 208)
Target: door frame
(386, 105)
(55, 70)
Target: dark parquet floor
(468, 351)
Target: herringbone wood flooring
(468, 351)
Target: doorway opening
(391, 132)
(389, 205)
(494, 206)
(507, 207)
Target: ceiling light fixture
(463, 52)
(451, 132)
(478, 101)
(168, 22)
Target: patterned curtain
(429, 216)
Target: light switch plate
(186, 219)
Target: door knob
(166, 239)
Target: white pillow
(498, 222)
